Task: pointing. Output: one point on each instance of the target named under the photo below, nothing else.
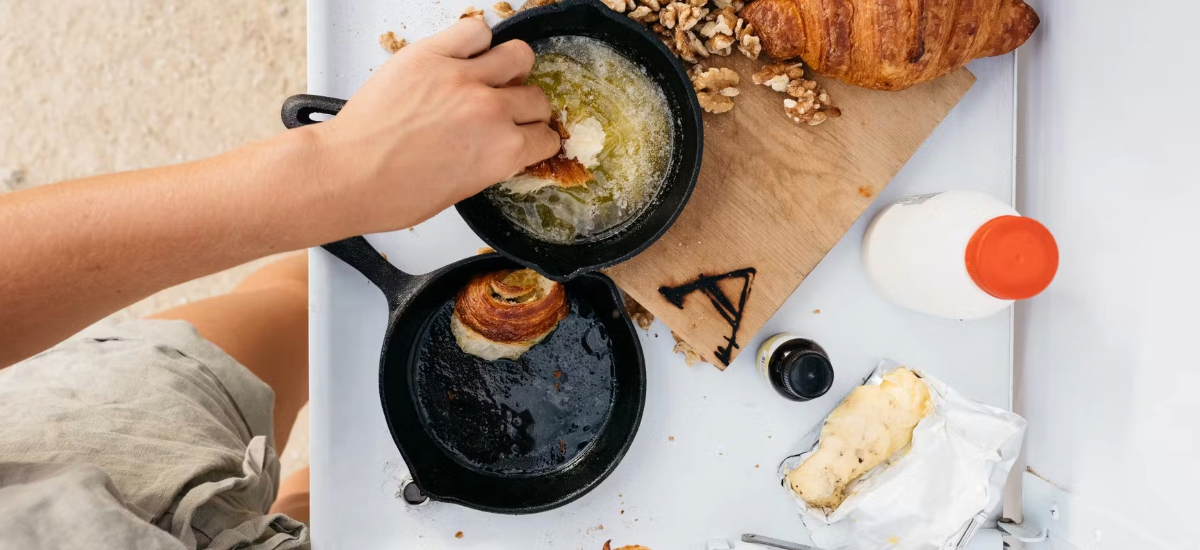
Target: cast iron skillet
(558, 261)
(413, 302)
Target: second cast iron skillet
(561, 262)
(550, 395)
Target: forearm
(72, 253)
(437, 123)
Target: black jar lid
(806, 374)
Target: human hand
(438, 122)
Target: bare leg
(293, 497)
(263, 324)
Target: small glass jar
(798, 368)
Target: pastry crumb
(484, 250)
(503, 10)
(471, 11)
(638, 313)
(458, 535)
(690, 355)
(390, 43)
(816, 312)
(608, 544)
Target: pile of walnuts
(699, 29)
(808, 101)
(695, 29)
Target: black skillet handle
(356, 251)
(298, 110)
(396, 285)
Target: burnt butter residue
(732, 313)
(527, 416)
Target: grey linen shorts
(139, 435)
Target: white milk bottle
(957, 254)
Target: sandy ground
(97, 86)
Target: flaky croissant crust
(480, 306)
(562, 170)
(889, 44)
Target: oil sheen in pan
(527, 416)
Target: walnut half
(715, 88)
(687, 45)
(643, 14)
(748, 42)
(530, 4)
(616, 5)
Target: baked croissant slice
(500, 315)
(889, 44)
(566, 169)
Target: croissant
(566, 169)
(500, 315)
(889, 44)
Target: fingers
(504, 64)
(465, 39)
(540, 143)
(526, 104)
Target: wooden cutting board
(773, 198)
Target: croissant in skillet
(500, 315)
(889, 44)
(561, 170)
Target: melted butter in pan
(585, 78)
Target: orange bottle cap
(1012, 257)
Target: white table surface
(716, 478)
